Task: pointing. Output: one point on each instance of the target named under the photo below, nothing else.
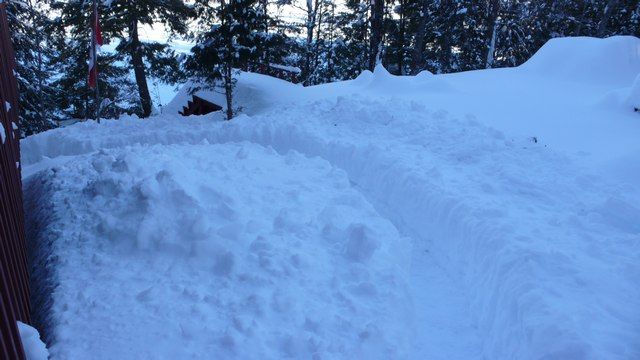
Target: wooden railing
(14, 276)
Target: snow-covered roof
(253, 93)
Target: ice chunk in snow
(33, 347)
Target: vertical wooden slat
(14, 276)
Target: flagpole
(94, 48)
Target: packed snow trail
(514, 247)
(444, 327)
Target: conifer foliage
(148, 58)
(327, 40)
(233, 37)
(29, 27)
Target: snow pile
(615, 60)
(33, 347)
(206, 250)
(444, 224)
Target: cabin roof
(253, 93)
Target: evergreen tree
(513, 44)
(321, 51)
(352, 48)
(148, 57)
(422, 15)
(319, 16)
(28, 26)
(376, 20)
(398, 55)
(334, 41)
(231, 39)
(273, 44)
(625, 21)
(120, 21)
(71, 40)
(472, 30)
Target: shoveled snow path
(444, 327)
(539, 254)
(440, 326)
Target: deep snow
(489, 214)
(222, 249)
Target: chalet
(252, 94)
(199, 106)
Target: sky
(158, 33)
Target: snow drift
(611, 61)
(533, 255)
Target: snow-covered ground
(482, 215)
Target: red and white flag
(96, 42)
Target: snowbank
(532, 254)
(210, 249)
(614, 60)
(538, 244)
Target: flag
(96, 42)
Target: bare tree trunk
(316, 48)
(264, 4)
(312, 9)
(228, 89)
(138, 64)
(228, 66)
(377, 15)
(330, 61)
(492, 26)
(445, 50)
(417, 55)
(609, 10)
(401, 31)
